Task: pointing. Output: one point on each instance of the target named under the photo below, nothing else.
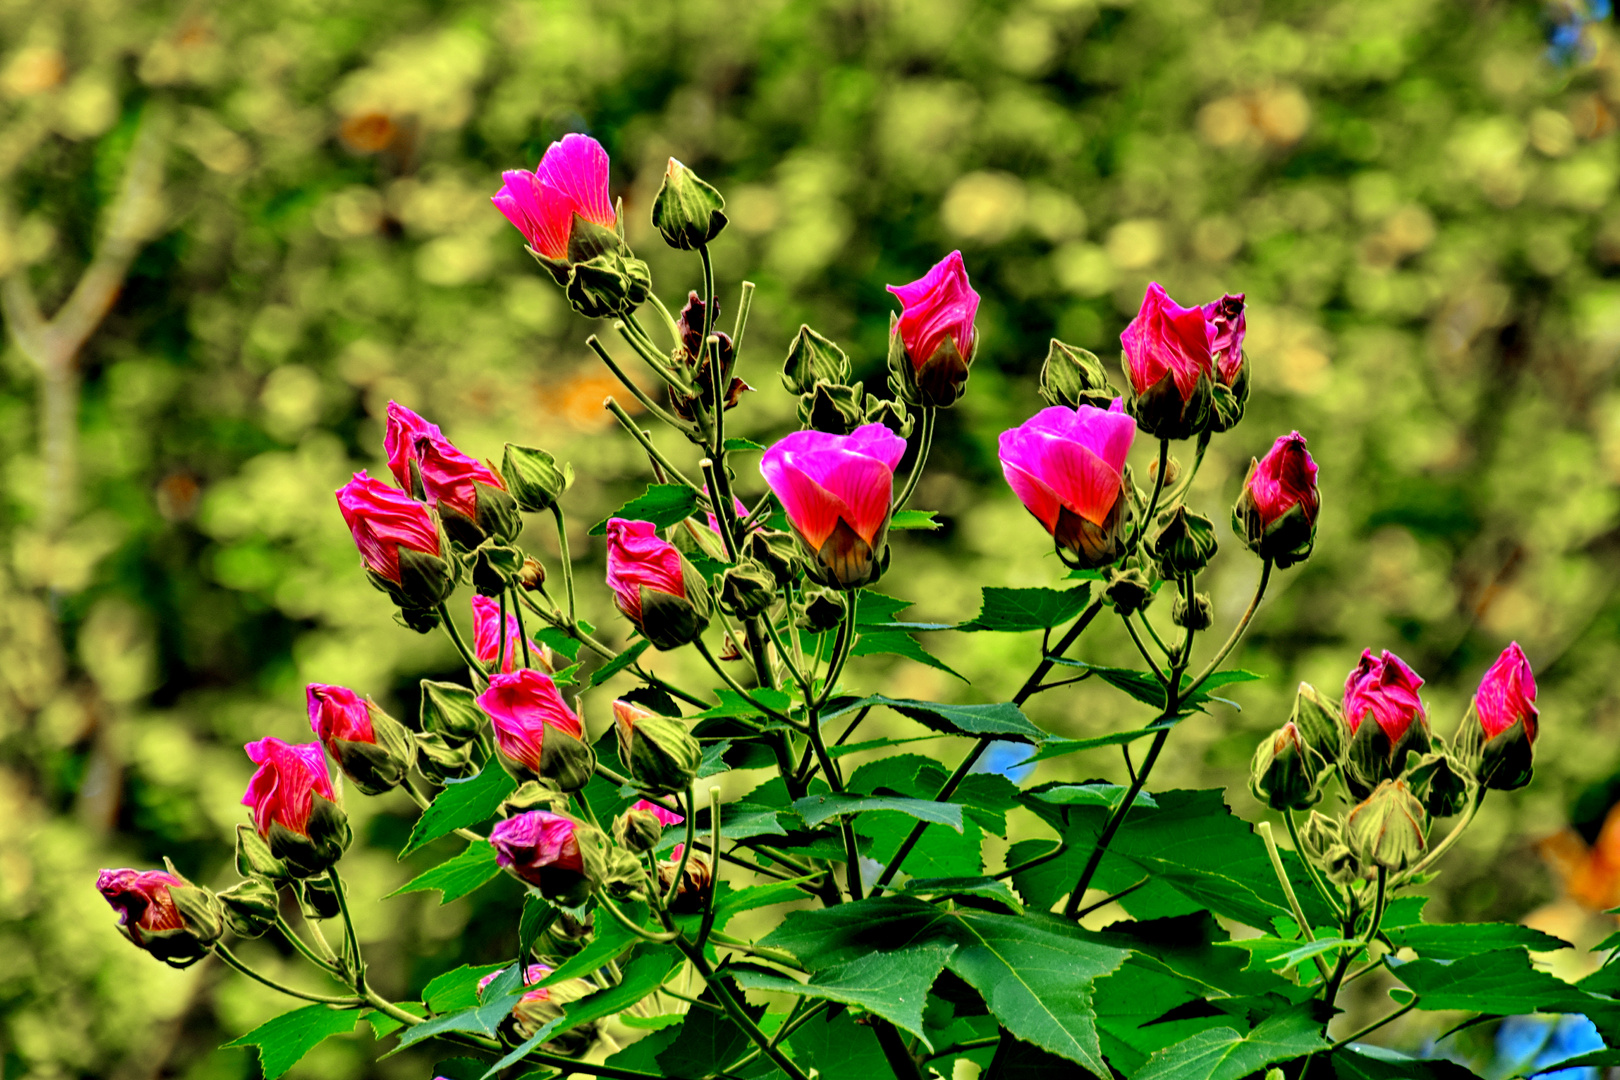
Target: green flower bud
(250, 907)
(1197, 615)
(253, 858)
(812, 359)
(534, 795)
(535, 478)
(1074, 377)
(1228, 402)
(1183, 544)
(823, 611)
(638, 830)
(611, 284)
(494, 567)
(833, 408)
(778, 553)
(687, 211)
(1320, 722)
(1285, 771)
(450, 711)
(891, 414)
(1319, 835)
(1441, 783)
(317, 898)
(661, 755)
(1389, 829)
(747, 589)
(1128, 590)
(441, 760)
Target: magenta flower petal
(336, 712)
(383, 519)
(1285, 477)
(1385, 688)
(399, 441)
(938, 305)
(1507, 694)
(1063, 457)
(821, 478)
(1166, 337)
(487, 633)
(522, 706)
(637, 557)
(282, 791)
(577, 167)
(665, 817)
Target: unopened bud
(440, 761)
(533, 795)
(534, 477)
(1073, 376)
(318, 898)
(1320, 722)
(1319, 834)
(450, 711)
(832, 407)
(1129, 591)
(660, 753)
(812, 359)
(612, 283)
(531, 575)
(778, 553)
(494, 567)
(1389, 828)
(163, 913)
(1285, 771)
(1441, 783)
(250, 907)
(891, 414)
(747, 589)
(687, 211)
(823, 611)
(638, 830)
(1199, 614)
(1183, 544)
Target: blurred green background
(282, 210)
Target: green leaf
(1439, 942)
(538, 915)
(286, 1039)
(838, 1047)
(735, 443)
(1002, 721)
(481, 1019)
(1502, 982)
(383, 1025)
(894, 985)
(1058, 747)
(1034, 971)
(898, 643)
(734, 704)
(1224, 1054)
(456, 989)
(558, 640)
(641, 977)
(914, 519)
(738, 821)
(1016, 610)
(1132, 1004)
(708, 1041)
(630, 655)
(1377, 1063)
(818, 808)
(460, 804)
(758, 896)
(987, 887)
(610, 941)
(456, 877)
(1280, 954)
(1104, 795)
(662, 504)
(518, 1053)
(714, 759)
(874, 744)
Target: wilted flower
(1277, 510)
(1066, 466)
(653, 586)
(934, 335)
(1227, 324)
(163, 913)
(837, 491)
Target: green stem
(1153, 502)
(1264, 829)
(717, 498)
(1316, 878)
(1185, 482)
(686, 850)
(737, 687)
(1152, 664)
(351, 939)
(1110, 899)
(776, 956)
(841, 649)
(669, 321)
(654, 936)
(745, 301)
(707, 923)
(1445, 844)
(1375, 1025)
(500, 645)
(230, 958)
(328, 966)
(523, 631)
(1116, 819)
(474, 665)
(641, 437)
(635, 391)
(565, 561)
(738, 1014)
(1237, 631)
(1030, 864)
(925, 443)
(893, 1045)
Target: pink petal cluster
(141, 898)
(638, 558)
(448, 475)
(535, 973)
(572, 178)
(938, 305)
(523, 705)
(1507, 694)
(336, 712)
(822, 479)
(1074, 458)
(538, 840)
(1385, 688)
(1284, 478)
(283, 789)
(487, 634)
(1166, 338)
(1227, 323)
(665, 818)
(383, 520)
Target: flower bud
(891, 414)
(837, 492)
(440, 760)
(933, 340)
(1128, 590)
(471, 497)
(1231, 392)
(253, 858)
(549, 851)
(1319, 722)
(371, 747)
(1389, 829)
(654, 586)
(661, 755)
(823, 611)
(813, 359)
(450, 711)
(1441, 783)
(776, 552)
(1285, 771)
(687, 211)
(534, 477)
(1499, 733)
(534, 795)
(1276, 512)
(294, 806)
(536, 732)
(641, 827)
(402, 546)
(1184, 543)
(562, 208)
(1172, 375)
(1067, 467)
(250, 907)
(1385, 718)
(494, 567)
(696, 880)
(1319, 835)
(833, 408)
(317, 898)
(611, 284)
(1199, 614)
(1074, 377)
(163, 913)
(531, 575)
(747, 589)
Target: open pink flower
(539, 840)
(1072, 459)
(1507, 694)
(523, 706)
(141, 898)
(938, 305)
(1285, 478)
(1387, 690)
(336, 712)
(487, 635)
(665, 818)
(282, 791)
(637, 558)
(383, 520)
(1227, 324)
(1168, 339)
(572, 178)
(823, 479)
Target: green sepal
(1183, 543)
(1072, 376)
(846, 561)
(747, 589)
(610, 284)
(777, 553)
(660, 753)
(451, 711)
(535, 478)
(687, 211)
(440, 760)
(1441, 783)
(1286, 773)
(495, 567)
(812, 359)
(1160, 411)
(1227, 403)
(566, 763)
(329, 836)
(1388, 829)
(670, 621)
(380, 766)
(253, 857)
(891, 414)
(317, 898)
(250, 907)
(832, 407)
(1320, 722)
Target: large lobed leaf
(460, 804)
(282, 1042)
